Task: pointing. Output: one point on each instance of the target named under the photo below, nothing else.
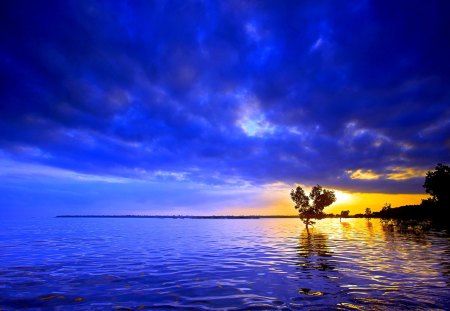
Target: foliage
(368, 212)
(428, 203)
(386, 207)
(437, 184)
(311, 207)
(345, 214)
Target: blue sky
(205, 106)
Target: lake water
(222, 264)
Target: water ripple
(258, 264)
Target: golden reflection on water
(390, 246)
(370, 254)
(313, 244)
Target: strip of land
(175, 216)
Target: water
(206, 264)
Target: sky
(219, 107)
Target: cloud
(361, 174)
(401, 173)
(12, 169)
(395, 173)
(228, 93)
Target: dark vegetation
(344, 214)
(437, 184)
(311, 207)
(434, 209)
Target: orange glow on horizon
(279, 203)
(375, 201)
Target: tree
(387, 207)
(344, 214)
(437, 184)
(311, 207)
(368, 212)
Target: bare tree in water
(311, 207)
(368, 213)
(344, 214)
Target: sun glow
(278, 202)
(343, 197)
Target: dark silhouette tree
(437, 184)
(386, 208)
(311, 207)
(344, 214)
(368, 213)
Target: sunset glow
(224, 155)
(343, 198)
(219, 107)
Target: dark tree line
(437, 184)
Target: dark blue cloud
(228, 91)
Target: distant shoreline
(175, 216)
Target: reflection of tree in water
(370, 231)
(397, 231)
(411, 228)
(346, 226)
(313, 252)
(446, 266)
